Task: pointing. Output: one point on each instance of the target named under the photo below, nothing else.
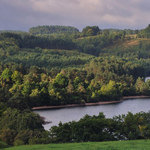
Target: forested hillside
(42, 68)
(52, 30)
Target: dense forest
(58, 65)
(52, 30)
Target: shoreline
(89, 104)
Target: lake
(75, 113)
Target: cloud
(24, 14)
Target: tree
(35, 97)
(17, 77)
(19, 101)
(141, 86)
(111, 91)
(91, 31)
(8, 135)
(26, 88)
(61, 81)
(131, 126)
(6, 75)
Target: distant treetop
(91, 31)
(52, 29)
(146, 30)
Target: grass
(116, 145)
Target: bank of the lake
(90, 104)
(132, 104)
(75, 105)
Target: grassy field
(117, 145)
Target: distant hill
(133, 48)
(13, 31)
(52, 30)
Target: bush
(3, 145)
(8, 135)
(18, 143)
(23, 137)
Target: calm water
(110, 110)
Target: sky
(117, 14)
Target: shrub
(3, 145)
(18, 143)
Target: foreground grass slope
(119, 145)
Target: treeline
(30, 41)
(24, 127)
(50, 43)
(58, 59)
(91, 40)
(94, 45)
(86, 31)
(145, 33)
(53, 30)
(20, 127)
(14, 50)
(86, 45)
(99, 128)
(103, 79)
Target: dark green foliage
(91, 31)
(99, 128)
(33, 73)
(50, 43)
(23, 137)
(94, 45)
(3, 145)
(3, 107)
(145, 33)
(20, 120)
(52, 30)
(8, 135)
(40, 138)
(10, 35)
(17, 127)
(19, 101)
(45, 58)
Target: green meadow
(115, 145)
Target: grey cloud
(144, 6)
(21, 15)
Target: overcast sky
(121, 14)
